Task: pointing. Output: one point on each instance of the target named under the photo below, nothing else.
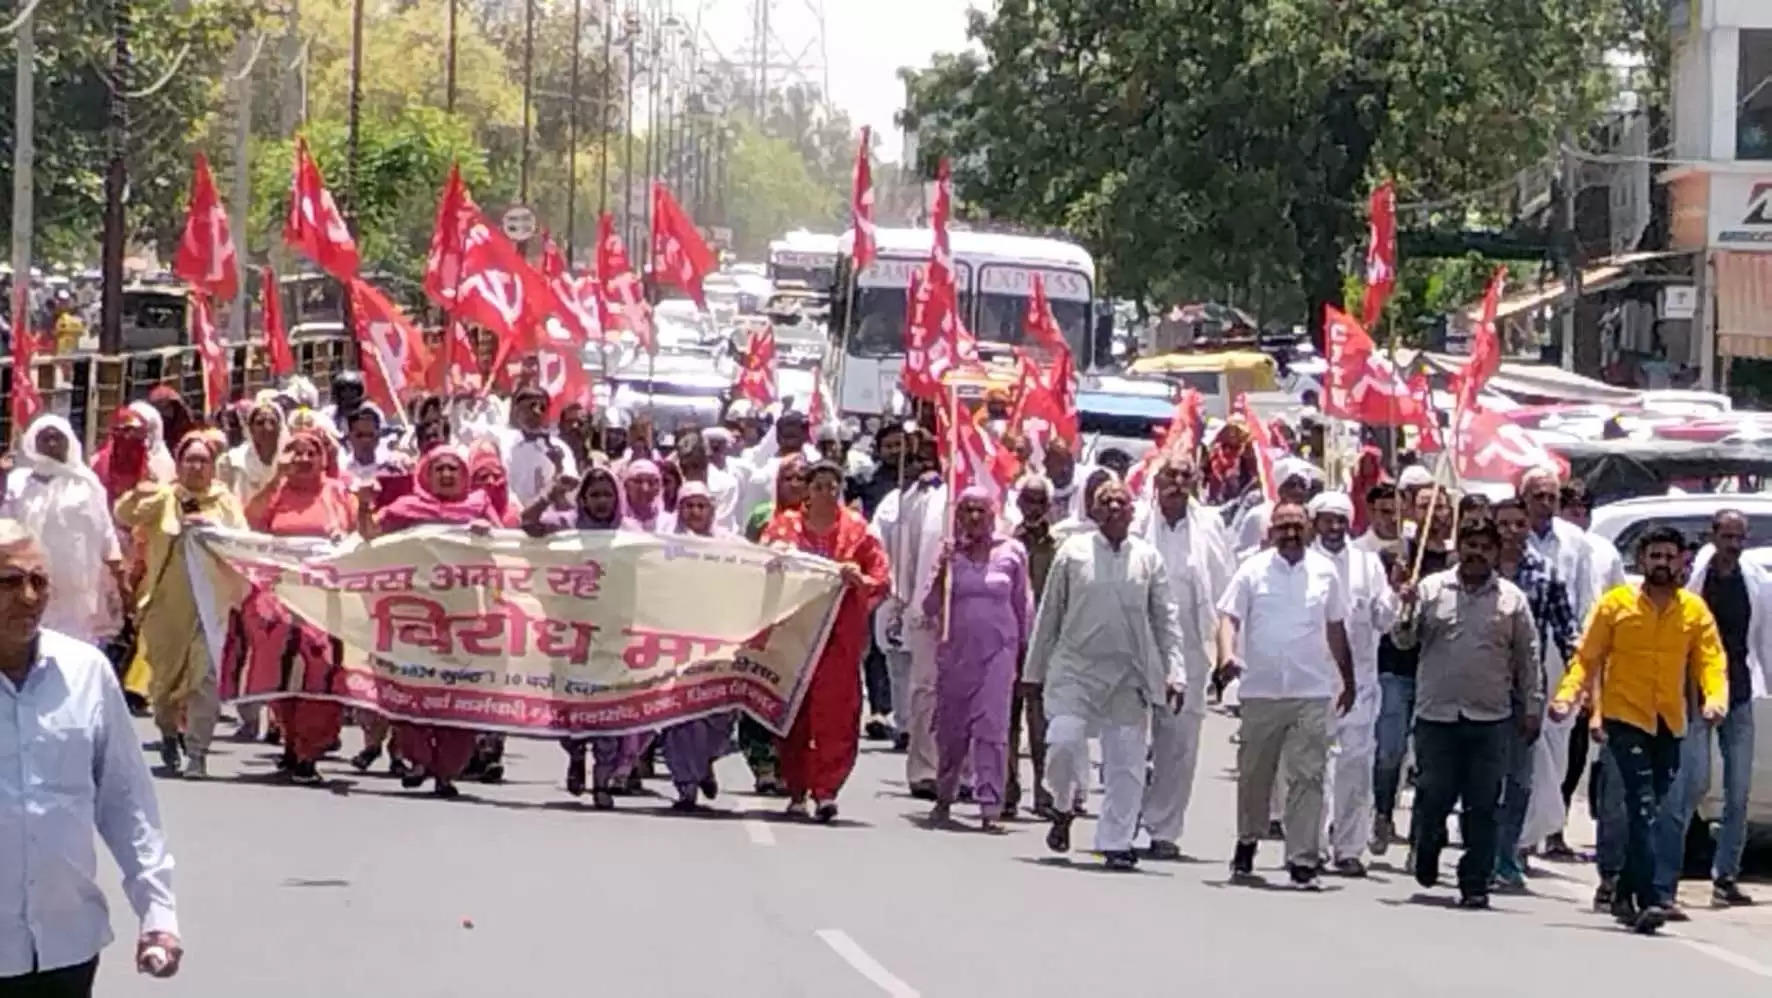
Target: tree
(772, 191)
(1215, 143)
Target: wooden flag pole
(947, 575)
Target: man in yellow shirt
(1645, 646)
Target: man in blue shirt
(69, 763)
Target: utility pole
(572, 137)
(528, 85)
(449, 59)
(247, 53)
(24, 155)
(353, 142)
(603, 116)
(110, 327)
(1571, 179)
(627, 168)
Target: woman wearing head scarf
(819, 751)
(270, 651)
(250, 467)
(596, 506)
(122, 461)
(981, 584)
(64, 505)
(691, 747)
(173, 657)
(175, 416)
(486, 474)
(790, 494)
(643, 492)
(441, 494)
(160, 463)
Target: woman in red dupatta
(269, 651)
(486, 473)
(441, 493)
(819, 751)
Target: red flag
(1179, 439)
(1263, 442)
(1485, 355)
(205, 258)
(392, 350)
(314, 225)
(27, 402)
(449, 238)
(1040, 325)
(277, 350)
(756, 371)
(621, 289)
(583, 324)
(1363, 386)
(1492, 448)
(952, 326)
(678, 254)
(455, 361)
(215, 359)
(980, 460)
(560, 370)
(1428, 420)
(1046, 399)
(861, 205)
(498, 289)
(1381, 251)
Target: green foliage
(1231, 143)
(773, 191)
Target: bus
(994, 273)
(809, 258)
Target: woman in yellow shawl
(172, 650)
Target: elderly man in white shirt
(1298, 480)
(74, 765)
(1372, 609)
(533, 455)
(1196, 554)
(1292, 606)
(1105, 651)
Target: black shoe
(169, 754)
(966, 795)
(1475, 901)
(1243, 861)
(634, 784)
(575, 775)
(413, 778)
(1058, 838)
(1304, 878)
(1649, 920)
(1276, 831)
(1427, 864)
(398, 766)
(446, 790)
(1120, 859)
(286, 761)
(710, 788)
(493, 773)
(305, 773)
(1624, 909)
(1727, 894)
(825, 813)
(901, 742)
(1164, 851)
(273, 736)
(1557, 850)
(877, 731)
(1604, 894)
(602, 800)
(366, 758)
(923, 790)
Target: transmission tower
(782, 44)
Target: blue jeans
(1647, 764)
(1396, 709)
(1735, 741)
(1605, 790)
(1516, 794)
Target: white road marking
(759, 831)
(1729, 957)
(865, 965)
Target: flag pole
(849, 283)
(947, 576)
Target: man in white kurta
(533, 455)
(911, 523)
(1195, 549)
(1372, 609)
(1106, 649)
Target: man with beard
(1644, 648)
(1106, 650)
(1034, 501)
(1478, 682)
(533, 455)
(1197, 557)
(694, 464)
(1292, 606)
(1739, 595)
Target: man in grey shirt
(1479, 673)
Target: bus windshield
(818, 278)
(879, 321)
(1002, 318)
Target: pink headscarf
(645, 519)
(422, 506)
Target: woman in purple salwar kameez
(988, 616)
(691, 747)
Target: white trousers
(1122, 774)
(1175, 754)
(920, 759)
(1545, 813)
(1347, 781)
(898, 673)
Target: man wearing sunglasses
(72, 763)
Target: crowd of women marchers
(1084, 608)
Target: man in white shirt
(1292, 605)
(693, 462)
(1372, 609)
(1298, 481)
(1196, 555)
(74, 765)
(534, 457)
(1105, 651)
(1384, 524)
(789, 435)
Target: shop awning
(1597, 276)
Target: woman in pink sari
(441, 493)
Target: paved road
(364, 889)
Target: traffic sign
(518, 223)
